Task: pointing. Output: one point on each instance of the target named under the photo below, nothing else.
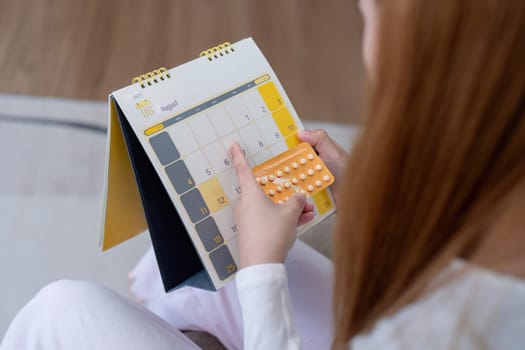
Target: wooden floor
(86, 49)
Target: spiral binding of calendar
(217, 51)
(153, 77)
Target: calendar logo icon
(145, 108)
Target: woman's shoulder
(468, 308)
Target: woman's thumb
(319, 139)
(296, 203)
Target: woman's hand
(333, 155)
(267, 230)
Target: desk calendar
(168, 168)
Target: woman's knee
(67, 295)
(59, 305)
(64, 290)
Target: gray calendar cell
(209, 234)
(164, 148)
(223, 262)
(194, 205)
(180, 176)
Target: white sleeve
(266, 308)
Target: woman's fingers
(242, 169)
(305, 218)
(333, 155)
(296, 204)
(320, 140)
(307, 214)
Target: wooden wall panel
(85, 49)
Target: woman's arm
(266, 308)
(267, 231)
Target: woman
(438, 174)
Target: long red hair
(443, 144)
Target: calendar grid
(203, 173)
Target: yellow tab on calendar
(153, 129)
(322, 201)
(262, 79)
(271, 96)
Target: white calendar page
(186, 124)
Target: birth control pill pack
(298, 169)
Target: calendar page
(186, 121)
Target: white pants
(83, 315)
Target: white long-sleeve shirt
(478, 309)
(266, 308)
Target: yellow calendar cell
(322, 201)
(271, 96)
(292, 140)
(213, 194)
(284, 122)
